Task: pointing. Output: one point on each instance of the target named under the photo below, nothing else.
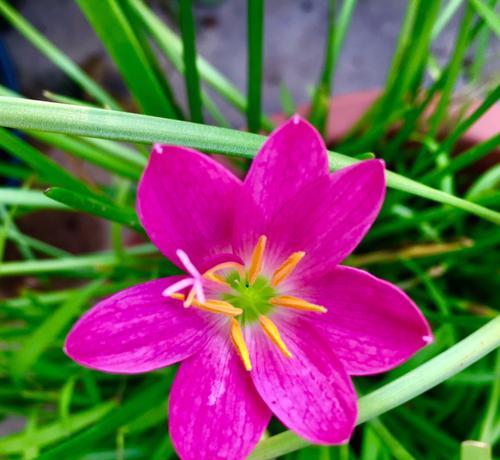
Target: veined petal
(371, 324)
(292, 156)
(311, 392)
(214, 410)
(328, 219)
(138, 330)
(186, 200)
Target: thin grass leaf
(143, 400)
(37, 342)
(475, 450)
(397, 450)
(288, 106)
(192, 79)
(255, 34)
(337, 31)
(410, 385)
(56, 56)
(96, 207)
(112, 27)
(129, 127)
(171, 46)
(487, 425)
(489, 15)
(56, 431)
(27, 198)
(48, 170)
(100, 262)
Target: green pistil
(253, 300)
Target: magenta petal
(329, 218)
(311, 392)
(371, 324)
(186, 201)
(293, 156)
(214, 410)
(138, 330)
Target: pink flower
(275, 325)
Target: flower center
(247, 296)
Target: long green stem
(401, 390)
(108, 124)
(191, 76)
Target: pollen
(286, 268)
(212, 306)
(239, 343)
(257, 259)
(288, 301)
(272, 332)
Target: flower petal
(329, 218)
(371, 324)
(186, 200)
(311, 392)
(138, 330)
(214, 410)
(293, 156)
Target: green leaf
(49, 330)
(96, 207)
(112, 27)
(171, 46)
(98, 261)
(337, 31)
(108, 124)
(27, 198)
(56, 431)
(475, 450)
(255, 32)
(489, 15)
(191, 76)
(145, 399)
(401, 390)
(56, 56)
(48, 170)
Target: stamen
(213, 276)
(213, 306)
(272, 332)
(289, 301)
(286, 268)
(256, 260)
(239, 343)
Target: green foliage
(437, 235)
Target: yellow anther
(256, 260)
(212, 305)
(213, 276)
(286, 268)
(289, 301)
(272, 332)
(239, 343)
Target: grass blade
(94, 206)
(255, 18)
(337, 31)
(191, 76)
(397, 392)
(28, 199)
(129, 127)
(112, 27)
(489, 15)
(49, 330)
